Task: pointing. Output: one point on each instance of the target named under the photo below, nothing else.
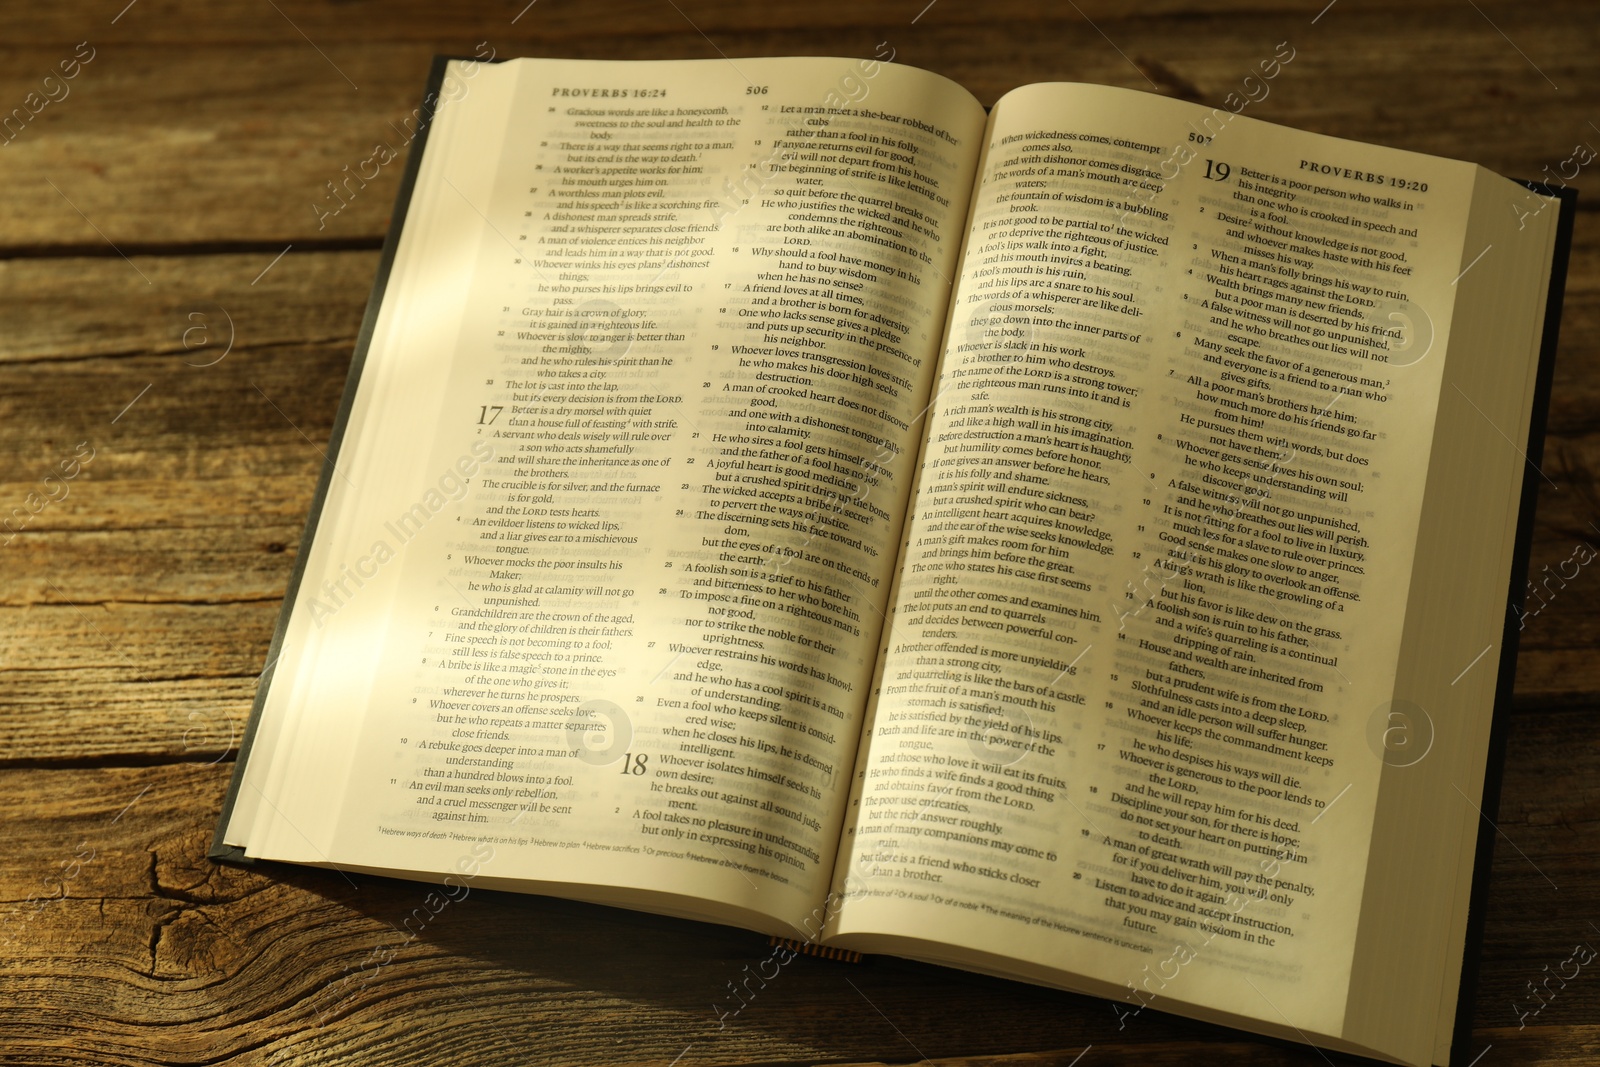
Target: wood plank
(135, 611)
(107, 899)
(192, 306)
(417, 20)
(193, 452)
(150, 163)
(130, 682)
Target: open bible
(1070, 542)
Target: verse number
(634, 764)
(755, 90)
(1217, 172)
(484, 416)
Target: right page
(1132, 706)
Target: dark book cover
(1461, 1053)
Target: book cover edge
(1494, 767)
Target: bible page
(1146, 628)
(617, 623)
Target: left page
(600, 579)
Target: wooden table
(164, 208)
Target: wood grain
(120, 937)
(231, 135)
(77, 308)
(140, 235)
